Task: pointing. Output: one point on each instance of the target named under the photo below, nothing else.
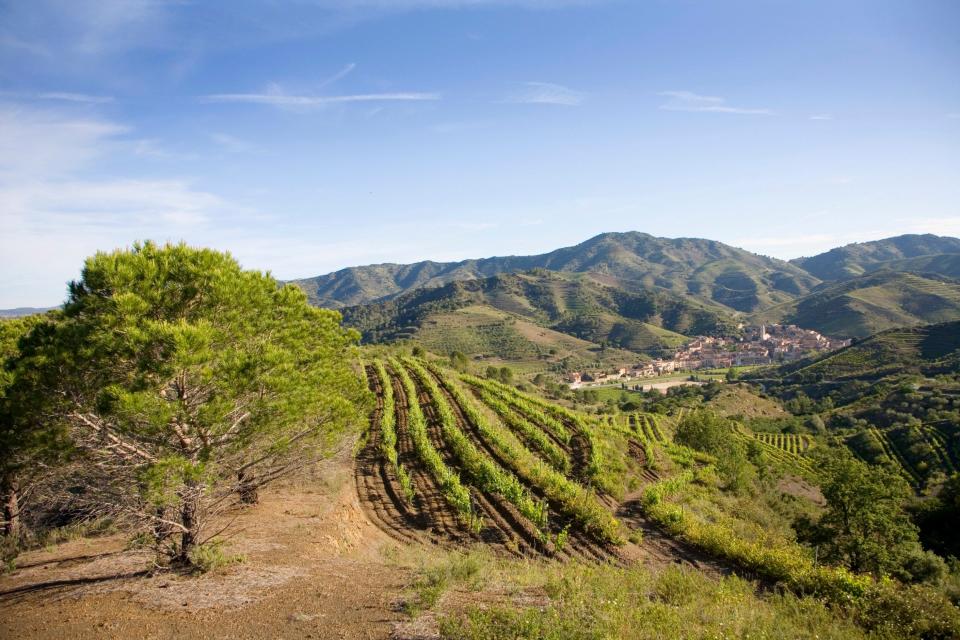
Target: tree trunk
(190, 519)
(11, 507)
(247, 488)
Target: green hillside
(571, 306)
(926, 349)
(708, 271)
(893, 399)
(493, 336)
(868, 304)
(944, 264)
(894, 253)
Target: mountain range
(704, 270)
(642, 293)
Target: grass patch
(211, 556)
(600, 602)
(439, 575)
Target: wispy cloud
(278, 99)
(54, 202)
(63, 96)
(954, 116)
(343, 73)
(547, 93)
(821, 116)
(689, 101)
(40, 143)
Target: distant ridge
(708, 271)
(19, 312)
(891, 253)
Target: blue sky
(309, 135)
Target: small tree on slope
(193, 380)
(27, 445)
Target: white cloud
(58, 206)
(277, 98)
(55, 211)
(547, 93)
(42, 143)
(821, 116)
(689, 101)
(63, 96)
(347, 70)
(75, 97)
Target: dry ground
(313, 567)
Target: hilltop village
(765, 344)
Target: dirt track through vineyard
(381, 496)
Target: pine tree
(26, 440)
(195, 381)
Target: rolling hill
(891, 253)
(504, 313)
(867, 304)
(707, 271)
(928, 349)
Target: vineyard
(450, 460)
(790, 442)
(456, 459)
(917, 452)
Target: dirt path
(312, 569)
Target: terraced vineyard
(790, 442)
(450, 460)
(917, 452)
(784, 449)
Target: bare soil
(312, 568)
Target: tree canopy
(865, 526)
(194, 378)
